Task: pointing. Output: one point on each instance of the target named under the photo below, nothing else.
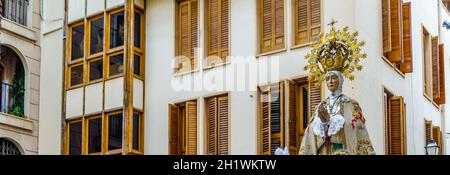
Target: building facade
(20, 57)
(226, 76)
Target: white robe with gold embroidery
(351, 135)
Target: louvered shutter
(396, 54)
(437, 137)
(194, 33)
(279, 24)
(301, 22)
(191, 128)
(173, 132)
(213, 29)
(315, 97)
(407, 65)
(265, 122)
(428, 131)
(441, 99)
(224, 29)
(211, 127)
(316, 19)
(183, 34)
(266, 25)
(396, 126)
(223, 126)
(435, 67)
(386, 15)
(293, 121)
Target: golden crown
(338, 50)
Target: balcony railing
(15, 10)
(6, 100)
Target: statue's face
(332, 82)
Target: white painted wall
(95, 7)
(50, 105)
(74, 103)
(94, 98)
(114, 93)
(138, 94)
(76, 10)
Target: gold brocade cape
(352, 138)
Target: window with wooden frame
(271, 118)
(187, 36)
(94, 134)
(138, 60)
(95, 69)
(96, 35)
(271, 25)
(74, 137)
(217, 126)
(434, 69)
(217, 32)
(303, 97)
(76, 76)
(428, 131)
(397, 43)
(76, 41)
(115, 64)
(307, 21)
(183, 128)
(114, 132)
(116, 29)
(437, 134)
(137, 133)
(395, 124)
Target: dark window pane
(96, 36)
(95, 70)
(76, 75)
(137, 30)
(77, 42)
(137, 65)
(75, 138)
(95, 136)
(116, 65)
(136, 122)
(116, 30)
(305, 107)
(115, 132)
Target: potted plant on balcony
(18, 91)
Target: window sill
(431, 101)
(393, 66)
(299, 46)
(19, 29)
(17, 122)
(217, 65)
(94, 82)
(271, 52)
(114, 152)
(75, 87)
(185, 73)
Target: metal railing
(15, 10)
(6, 100)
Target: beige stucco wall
(24, 40)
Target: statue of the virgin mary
(338, 126)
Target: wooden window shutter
(437, 137)
(301, 22)
(173, 130)
(223, 126)
(386, 17)
(428, 131)
(218, 31)
(316, 19)
(407, 65)
(272, 25)
(187, 34)
(276, 117)
(211, 126)
(279, 24)
(293, 123)
(441, 99)
(315, 97)
(265, 122)
(396, 54)
(435, 67)
(191, 128)
(224, 29)
(396, 128)
(266, 25)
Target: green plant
(18, 91)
